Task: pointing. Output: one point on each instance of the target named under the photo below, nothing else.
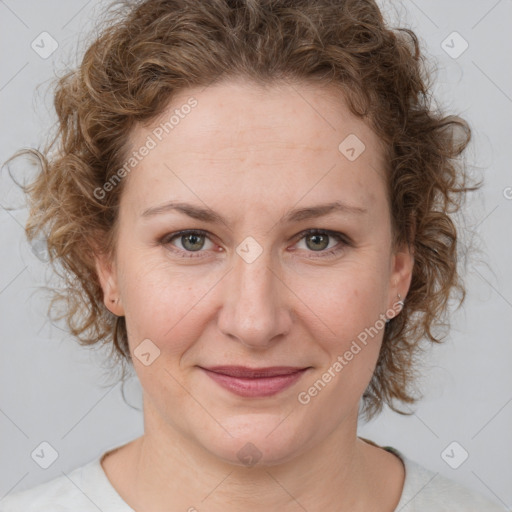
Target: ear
(107, 275)
(402, 264)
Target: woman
(254, 198)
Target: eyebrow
(299, 214)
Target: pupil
(192, 237)
(316, 236)
(193, 240)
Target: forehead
(241, 137)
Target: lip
(255, 382)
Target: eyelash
(343, 240)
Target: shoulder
(427, 491)
(66, 493)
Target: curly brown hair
(147, 51)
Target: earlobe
(401, 276)
(107, 276)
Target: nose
(255, 310)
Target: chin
(256, 439)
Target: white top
(87, 489)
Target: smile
(257, 382)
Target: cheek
(163, 304)
(350, 337)
(346, 323)
(172, 307)
(343, 302)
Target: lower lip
(253, 388)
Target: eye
(194, 241)
(190, 240)
(318, 240)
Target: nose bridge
(253, 310)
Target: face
(232, 277)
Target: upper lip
(243, 371)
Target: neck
(171, 468)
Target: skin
(252, 155)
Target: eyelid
(166, 240)
(344, 242)
(335, 234)
(341, 237)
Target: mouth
(255, 382)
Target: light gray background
(55, 391)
